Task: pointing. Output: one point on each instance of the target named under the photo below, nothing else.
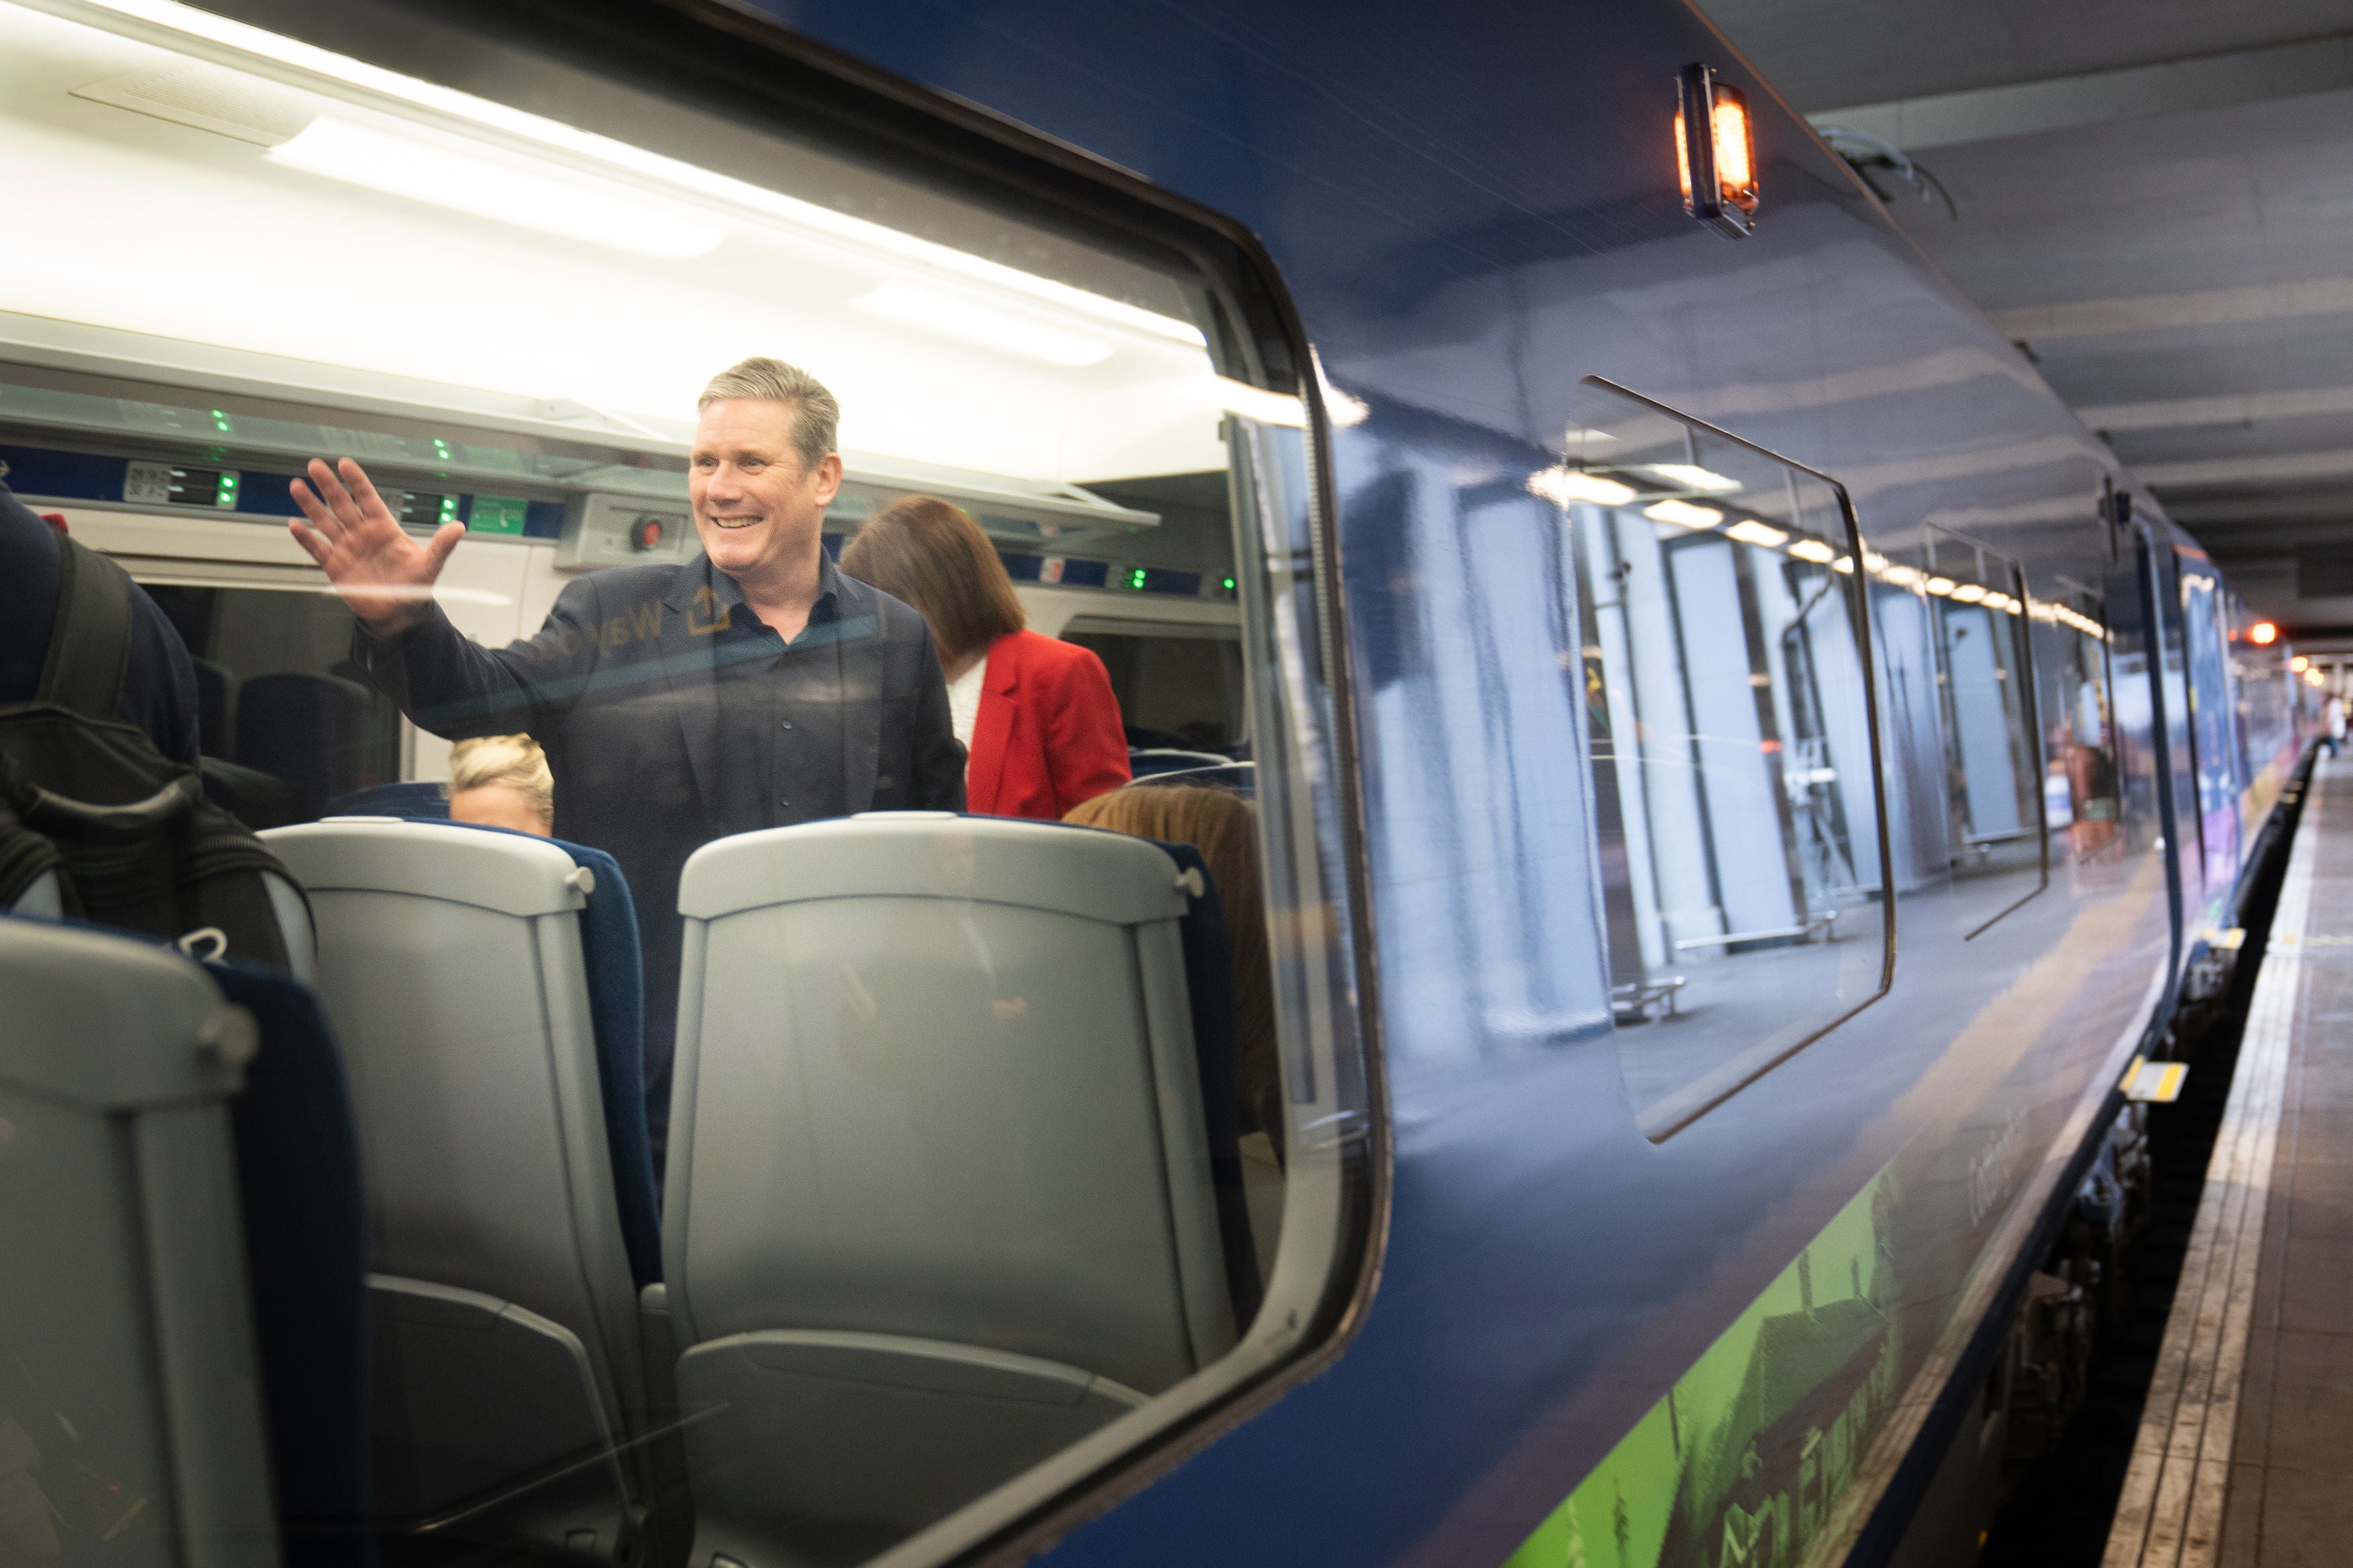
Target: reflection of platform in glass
(1634, 1001)
(1825, 923)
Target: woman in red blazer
(1037, 716)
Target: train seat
(215, 693)
(942, 1193)
(420, 800)
(500, 1136)
(118, 1059)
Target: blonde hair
(514, 761)
(929, 553)
(815, 414)
(1224, 828)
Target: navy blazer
(618, 689)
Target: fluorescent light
(1684, 512)
(1967, 594)
(1814, 550)
(1902, 576)
(921, 307)
(1692, 478)
(1338, 406)
(1940, 586)
(1748, 531)
(1255, 402)
(1563, 485)
(1843, 564)
(339, 74)
(1578, 434)
(406, 167)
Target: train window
(2212, 742)
(998, 1148)
(2082, 784)
(287, 722)
(1178, 686)
(1986, 696)
(1733, 749)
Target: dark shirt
(663, 705)
(159, 691)
(781, 702)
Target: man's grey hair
(815, 414)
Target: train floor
(2244, 1452)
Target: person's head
(764, 468)
(1224, 828)
(502, 781)
(929, 553)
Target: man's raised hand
(384, 576)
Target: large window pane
(1732, 743)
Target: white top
(963, 701)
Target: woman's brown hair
(930, 554)
(1224, 828)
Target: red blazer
(1047, 735)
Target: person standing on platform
(1037, 714)
(755, 687)
(2332, 724)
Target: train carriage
(1739, 772)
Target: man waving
(754, 687)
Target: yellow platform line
(2170, 1514)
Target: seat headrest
(1107, 876)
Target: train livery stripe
(1751, 1445)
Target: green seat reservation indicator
(496, 514)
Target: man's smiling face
(759, 513)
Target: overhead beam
(2158, 312)
(2102, 98)
(2278, 467)
(2238, 409)
(2332, 505)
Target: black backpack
(128, 832)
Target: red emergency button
(645, 533)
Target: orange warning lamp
(1715, 152)
(2262, 634)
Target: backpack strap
(89, 648)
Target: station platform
(2244, 1454)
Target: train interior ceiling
(277, 255)
(507, 320)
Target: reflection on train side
(1737, 807)
(1977, 603)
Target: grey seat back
(940, 1199)
(507, 1354)
(126, 1340)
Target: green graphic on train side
(1739, 1466)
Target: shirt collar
(728, 597)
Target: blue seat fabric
(1209, 985)
(298, 1166)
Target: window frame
(2030, 701)
(768, 78)
(1864, 629)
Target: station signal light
(1715, 152)
(2262, 634)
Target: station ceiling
(2155, 199)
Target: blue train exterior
(1575, 1330)
(1473, 209)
